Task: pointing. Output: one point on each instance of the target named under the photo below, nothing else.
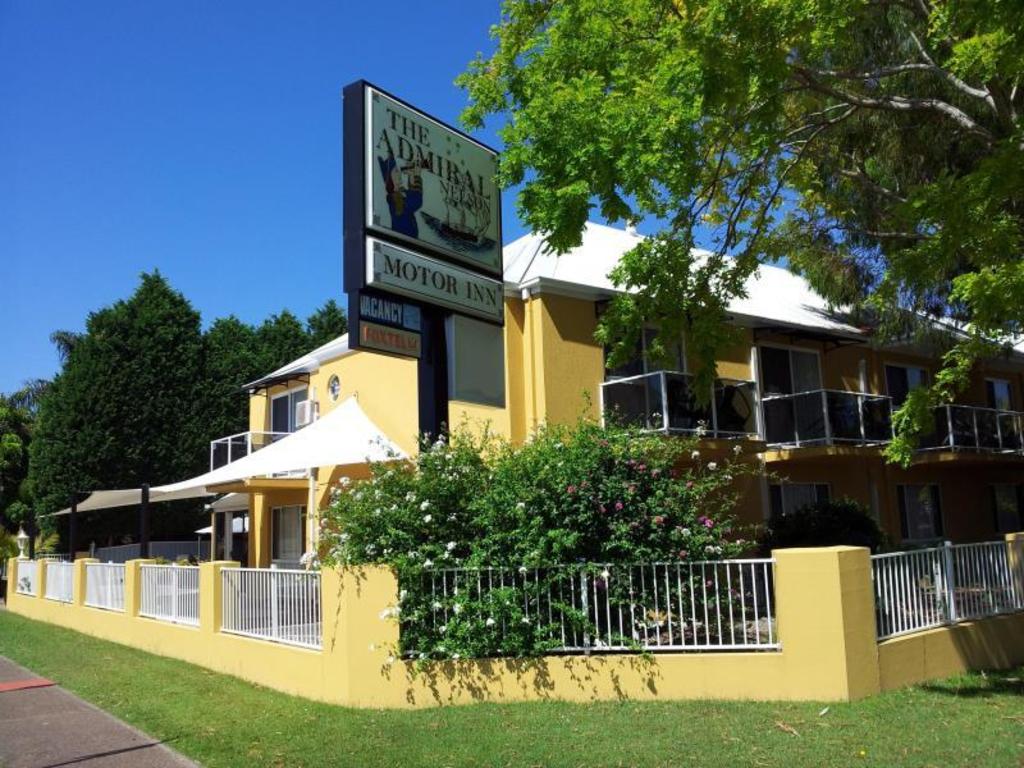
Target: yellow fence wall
(825, 619)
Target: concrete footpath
(44, 726)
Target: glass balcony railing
(666, 401)
(225, 450)
(827, 417)
(970, 428)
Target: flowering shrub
(580, 494)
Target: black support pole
(73, 526)
(432, 374)
(144, 522)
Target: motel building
(805, 394)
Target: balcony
(225, 450)
(827, 417)
(970, 428)
(666, 401)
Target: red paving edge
(21, 685)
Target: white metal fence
(27, 570)
(60, 581)
(104, 586)
(171, 550)
(170, 593)
(943, 585)
(711, 605)
(272, 604)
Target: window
(1006, 507)
(787, 498)
(999, 393)
(282, 409)
(920, 512)
(287, 533)
(787, 371)
(900, 379)
(641, 363)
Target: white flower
(522, 569)
(521, 505)
(410, 497)
(702, 429)
(442, 629)
(436, 605)
(344, 482)
(524, 620)
(490, 622)
(605, 574)
(427, 518)
(695, 455)
(455, 657)
(428, 563)
(424, 506)
(423, 656)
(709, 549)
(712, 466)
(402, 595)
(358, 496)
(737, 449)
(343, 537)
(450, 546)
(686, 531)
(370, 549)
(457, 609)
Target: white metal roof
(775, 296)
(308, 363)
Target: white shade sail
(344, 436)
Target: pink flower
(618, 506)
(689, 484)
(571, 489)
(709, 523)
(659, 520)
(602, 508)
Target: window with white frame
(999, 394)
(901, 379)
(920, 512)
(643, 363)
(1006, 507)
(787, 498)
(282, 409)
(288, 533)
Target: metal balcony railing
(827, 417)
(225, 450)
(666, 401)
(971, 428)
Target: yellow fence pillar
(360, 628)
(78, 580)
(210, 594)
(826, 617)
(12, 578)
(133, 585)
(1015, 558)
(41, 573)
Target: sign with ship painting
(430, 186)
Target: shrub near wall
(580, 495)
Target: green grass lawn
(221, 721)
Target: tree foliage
(875, 145)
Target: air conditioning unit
(305, 413)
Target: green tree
(280, 339)
(15, 435)
(326, 324)
(127, 408)
(233, 358)
(876, 146)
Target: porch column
(229, 537)
(259, 531)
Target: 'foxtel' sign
(402, 271)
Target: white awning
(345, 436)
(230, 502)
(238, 525)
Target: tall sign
(422, 235)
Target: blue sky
(199, 138)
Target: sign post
(422, 236)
